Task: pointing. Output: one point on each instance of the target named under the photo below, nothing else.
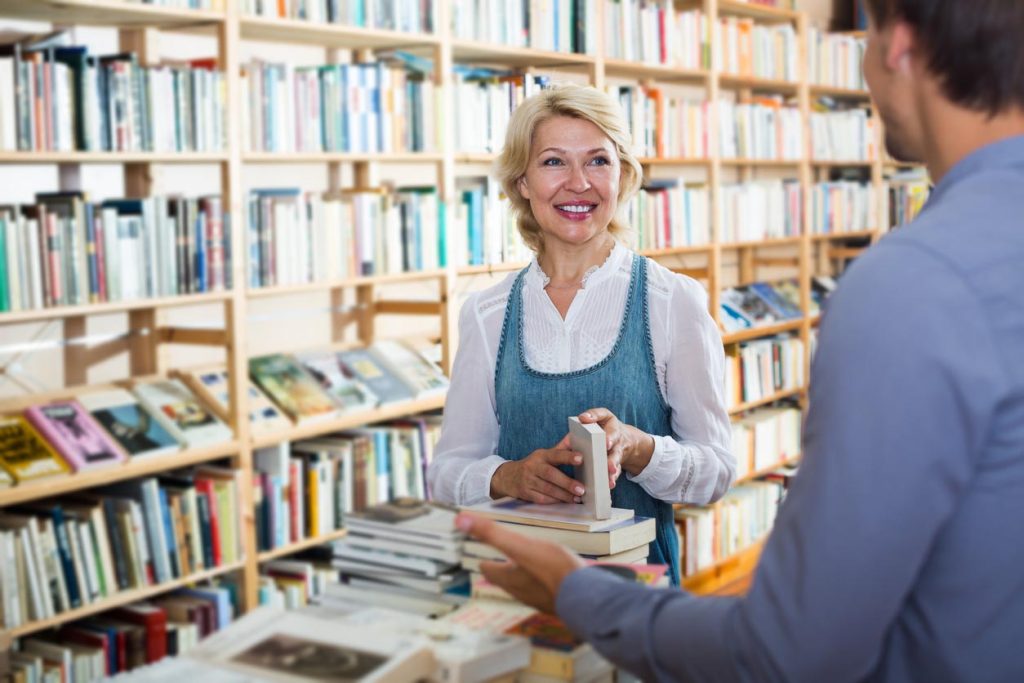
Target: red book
(204, 487)
(295, 503)
(151, 618)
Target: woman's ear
(523, 190)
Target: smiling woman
(589, 328)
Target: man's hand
(628, 448)
(537, 479)
(535, 569)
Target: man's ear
(901, 47)
(523, 189)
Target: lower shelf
(304, 544)
(730, 576)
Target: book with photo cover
(348, 392)
(375, 374)
(181, 413)
(212, 385)
(25, 454)
(423, 377)
(82, 443)
(130, 424)
(294, 390)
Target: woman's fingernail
(578, 490)
(588, 416)
(577, 460)
(463, 523)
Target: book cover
(292, 388)
(181, 413)
(423, 377)
(25, 454)
(211, 384)
(589, 441)
(133, 427)
(569, 516)
(381, 380)
(336, 380)
(81, 442)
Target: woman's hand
(628, 448)
(537, 479)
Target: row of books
(553, 25)
(294, 582)
(300, 237)
(663, 125)
(834, 59)
(907, 193)
(411, 16)
(764, 128)
(743, 47)
(843, 135)
(741, 518)
(186, 4)
(760, 303)
(655, 33)
(843, 206)
(70, 553)
(765, 438)
(484, 100)
(484, 230)
(65, 250)
(124, 639)
(64, 99)
(763, 367)
(367, 108)
(669, 213)
(760, 210)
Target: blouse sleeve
(695, 464)
(464, 460)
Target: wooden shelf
(837, 236)
(675, 161)
(137, 467)
(480, 52)
(839, 93)
(758, 11)
(740, 82)
(724, 572)
(113, 157)
(762, 163)
(122, 598)
(487, 269)
(304, 544)
(778, 396)
(834, 163)
(622, 68)
(761, 331)
(771, 242)
(349, 421)
(285, 290)
(674, 251)
(36, 315)
(475, 157)
(117, 13)
(342, 157)
(788, 462)
(329, 35)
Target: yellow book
(25, 454)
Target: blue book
(67, 562)
(220, 597)
(779, 306)
(385, 384)
(172, 542)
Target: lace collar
(536, 277)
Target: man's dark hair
(975, 46)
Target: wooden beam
(76, 359)
(845, 253)
(192, 336)
(785, 261)
(142, 348)
(409, 307)
(365, 314)
(696, 273)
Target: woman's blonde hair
(578, 102)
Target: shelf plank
(349, 421)
(284, 290)
(673, 251)
(675, 161)
(663, 72)
(112, 157)
(739, 81)
(842, 163)
(762, 331)
(487, 269)
(122, 598)
(475, 157)
(329, 35)
(304, 544)
(724, 572)
(480, 52)
(764, 163)
(786, 462)
(341, 157)
(138, 467)
(843, 93)
(114, 307)
(778, 396)
(112, 13)
(767, 13)
(836, 236)
(771, 242)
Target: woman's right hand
(537, 479)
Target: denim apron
(533, 406)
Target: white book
(405, 547)
(420, 565)
(408, 518)
(567, 516)
(589, 441)
(175, 406)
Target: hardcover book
(589, 441)
(380, 378)
(568, 516)
(211, 384)
(292, 388)
(336, 380)
(75, 435)
(26, 454)
(422, 377)
(133, 427)
(625, 535)
(181, 413)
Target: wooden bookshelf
(362, 281)
(726, 572)
(754, 10)
(489, 53)
(839, 236)
(836, 163)
(7, 157)
(340, 157)
(675, 161)
(328, 35)
(767, 400)
(763, 163)
(57, 312)
(621, 68)
(839, 93)
(304, 544)
(787, 462)
(119, 13)
(739, 82)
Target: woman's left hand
(629, 448)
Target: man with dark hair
(899, 552)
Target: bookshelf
(149, 333)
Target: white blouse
(694, 465)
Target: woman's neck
(568, 265)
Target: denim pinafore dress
(533, 406)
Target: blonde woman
(589, 328)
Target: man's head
(967, 53)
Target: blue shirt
(899, 552)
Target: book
(631, 533)
(375, 374)
(336, 380)
(555, 650)
(25, 454)
(181, 413)
(82, 443)
(567, 516)
(424, 378)
(294, 390)
(130, 424)
(211, 384)
(589, 441)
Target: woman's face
(572, 180)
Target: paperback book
(133, 427)
(423, 377)
(71, 430)
(294, 390)
(375, 374)
(181, 413)
(211, 384)
(332, 376)
(25, 454)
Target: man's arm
(900, 403)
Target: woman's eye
(600, 161)
(553, 161)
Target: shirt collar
(536, 277)
(1006, 152)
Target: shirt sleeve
(901, 404)
(696, 464)
(464, 460)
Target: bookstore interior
(235, 238)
